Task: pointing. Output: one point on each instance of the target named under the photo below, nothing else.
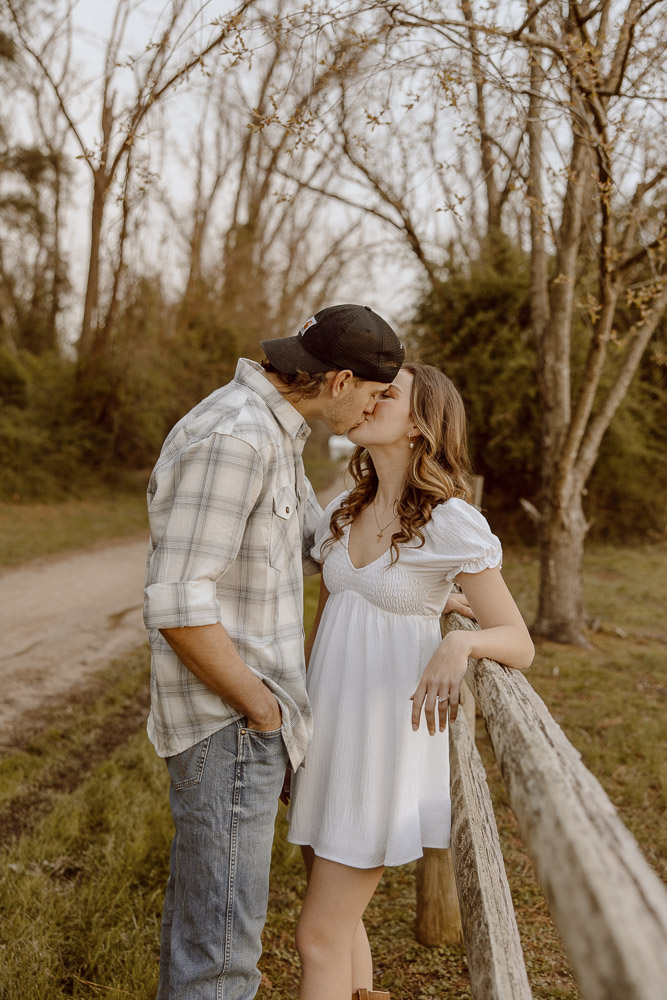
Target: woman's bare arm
(503, 637)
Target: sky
(388, 288)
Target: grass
(81, 895)
(64, 741)
(610, 699)
(30, 530)
(81, 888)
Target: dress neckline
(346, 546)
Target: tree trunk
(57, 264)
(87, 338)
(561, 616)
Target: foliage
(13, 380)
(61, 432)
(475, 325)
(43, 447)
(161, 361)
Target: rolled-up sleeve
(198, 511)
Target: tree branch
(619, 63)
(54, 86)
(157, 92)
(599, 424)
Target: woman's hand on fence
(440, 684)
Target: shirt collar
(250, 374)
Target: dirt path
(64, 618)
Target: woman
(375, 789)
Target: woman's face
(391, 421)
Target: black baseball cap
(340, 337)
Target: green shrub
(13, 380)
(476, 327)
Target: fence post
(438, 916)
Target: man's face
(351, 405)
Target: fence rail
(609, 906)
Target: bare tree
(565, 107)
(600, 61)
(254, 178)
(156, 72)
(33, 179)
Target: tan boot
(370, 995)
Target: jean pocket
(271, 735)
(187, 768)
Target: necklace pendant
(379, 536)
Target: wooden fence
(609, 906)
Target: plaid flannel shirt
(232, 518)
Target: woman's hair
(439, 467)
(308, 385)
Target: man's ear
(340, 382)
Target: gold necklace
(380, 530)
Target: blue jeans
(224, 797)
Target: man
(231, 513)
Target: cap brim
(288, 355)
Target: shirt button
(287, 510)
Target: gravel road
(63, 618)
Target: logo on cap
(306, 326)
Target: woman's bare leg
(329, 931)
(362, 960)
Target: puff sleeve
(322, 530)
(464, 540)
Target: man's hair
(307, 384)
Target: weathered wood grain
(438, 918)
(609, 906)
(495, 958)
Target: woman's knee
(315, 941)
(308, 941)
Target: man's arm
(210, 654)
(310, 641)
(206, 512)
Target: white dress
(374, 792)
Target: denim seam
(233, 846)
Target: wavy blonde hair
(439, 466)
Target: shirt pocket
(285, 540)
